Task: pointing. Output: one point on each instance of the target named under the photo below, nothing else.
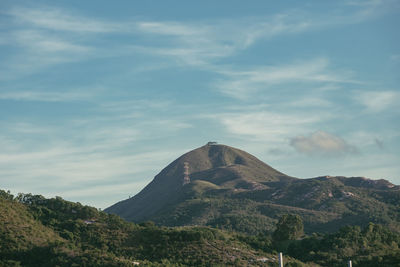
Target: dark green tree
(289, 227)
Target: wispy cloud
(266, 126)
(45, 96)
(42, 42)
(242, 84)
(321, 143)
(376, 101)
(364, 10)
(84, 155)
(309, 101)
(57, 19)
(49, 36)
(67, 169)
(200, 43)
(83, 152)
(38, 50)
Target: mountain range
(224, 187)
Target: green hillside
(35, 231)
(232, 190)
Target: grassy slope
(20, 231)
(324, 205)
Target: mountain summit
(222, 186)
(217, 166)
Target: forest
(36, 231)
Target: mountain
(224, 187)
(211, 167)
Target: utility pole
(349, 263)
(281, 260)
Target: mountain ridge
(230, 188)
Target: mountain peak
(215, 158)
(218, 165)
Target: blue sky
(96, 97)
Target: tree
(289, 227)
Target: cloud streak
(377, 101)
(66, 36)
(45, 96)
(266, 126)
(57, 19)
(81, 153)
(243, 84)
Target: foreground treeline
(35, 231)
(374, 245)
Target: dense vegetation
(373, 245)
(35, 231)
(325, 205)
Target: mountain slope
(221, 166)
(233, 190)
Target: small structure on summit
(212, 143)
(186, 178)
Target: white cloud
(376, 101)
(364, 10)
(78, 172)
(172, 28)
(266, 126)
(321, 143)
(60, 20)
(243, 84)
(80, 158)
(200, 44)
(38, 50)
(43, 42)
(65, 35)
(87, 151)
(310, 101)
